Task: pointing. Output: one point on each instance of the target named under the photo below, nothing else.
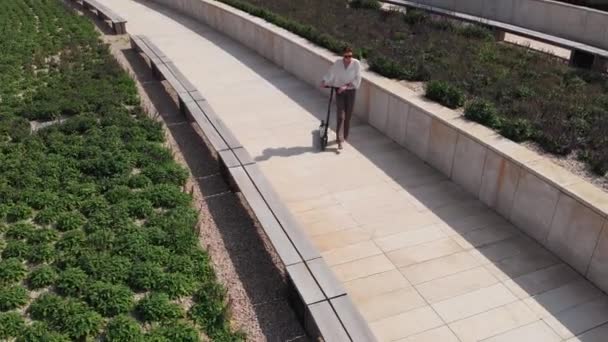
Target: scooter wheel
(323, 143)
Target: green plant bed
(92, 214)
(530, 90)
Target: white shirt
(338, 75)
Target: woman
(345, 75)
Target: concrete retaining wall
(560, 210)
(580, 24)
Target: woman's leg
(348, 110)
(340, 116)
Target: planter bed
(97, 240)
(529, 95)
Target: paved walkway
(422, 259)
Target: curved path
(422, 259)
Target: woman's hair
(347, 49)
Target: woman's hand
(342, 89)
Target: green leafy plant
(123, 328)
(517, 129)
(12, 297)
(16, 249)
(40, 332)
(157, 307)
(146, 276)
(11, 325)
(42, 276)
(177, 285)
(11, 270)
(70, 220)
(483, 112)
(18, 212)
(108, 299)
(20, 231)
(175, 331)
(445, 93)
(72, 282)
(41, 252)
(106, 267)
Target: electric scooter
(324, 128)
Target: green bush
(366, 4)
(445, 93)
(102, 239)
(118, 194)
(16, 249)
(42, 276)
(140, 208)
(41, 252)
(123, 328)
(46, 216)
(12, 297)
(43, 235)
(139, 181)
(70, 220)
(157, 307)
(11, 325)
(70, 317)
(18, 212)
(11, 271)
(517, 129)
(72, 282)
(145, 276)
(40, 332)
(109, 300)
(166, 196)
(175, 331)
(415, 17)
(177, 285)
(106, 267)
(168, 173)
(20, 231)
(483, 112)
(210, 308)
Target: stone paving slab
(420, 257)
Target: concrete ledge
(518, 183)
(575, 23)
(313, 283)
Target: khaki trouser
(345, 103)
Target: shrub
(166, 196)
(176, 331)
(72, 282)
(445, 94)
(79, 321)
(106, 267)
(42, 276)
(46, 216)
(145, 276)
(517, 129)
(12, 297)
(157, 307)
(168, 173)
(109, 300)
(18, 212)
(414, 17)
(16, 249)
(140, 208)
(11, 270)
(366, 4)
(102, 239)
(476, 32)
(11, 325)
(70, 220)
(177, 285)
(123, 328)
(67, 316)
(42, 252)
(118, 194)
(483, 112)
(40, 332)
(210, 309)
(139, 181)
(20, 231)
(43, 235)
